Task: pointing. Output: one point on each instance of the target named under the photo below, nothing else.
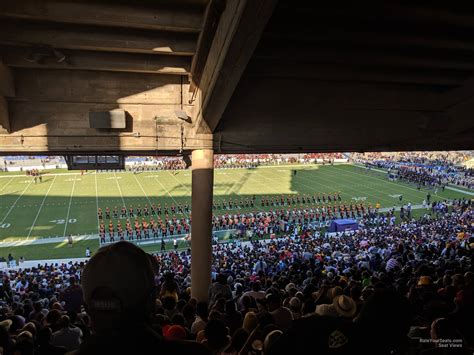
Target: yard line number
(62, 221)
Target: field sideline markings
(141, 187)
(69, 207)
(41, 207)
(354, 187)
(14, 203)
(383, 186)
(346, 187)
(241, 174)
(381, 179)
(360, 192)
(303, 184)
(265, 185)
(179, 182)
(399, 185)
(8, 183)
(187, 215)
(120, 190)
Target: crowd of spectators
(232, 161)
(387, 288)
(436, 169)
(439, 158)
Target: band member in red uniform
(99, 213)
(145, 229)
(130, 211)
(138, 230)
(107, 213)
(115, 212)
(120, 231)
(102, 233)
(129, 232)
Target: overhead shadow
(52, 111)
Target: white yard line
(164, 188)
(378, 197)
(379, 178)
(179, 182)
(41, 207)
(69, 208)
(461, 191)
(14, 203)
(8, 183)
(141, 187)
(97, 201)
(120, 190)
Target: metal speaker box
(107, 119)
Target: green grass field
(66, 202)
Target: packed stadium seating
(426, 169)
(398, 288)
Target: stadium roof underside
(236, 76)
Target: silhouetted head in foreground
(118, 284)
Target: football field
(66, 203)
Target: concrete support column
(201, 237)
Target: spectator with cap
(327, 308)
(121, 303)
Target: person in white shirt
(260, 265)
(256, 291)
